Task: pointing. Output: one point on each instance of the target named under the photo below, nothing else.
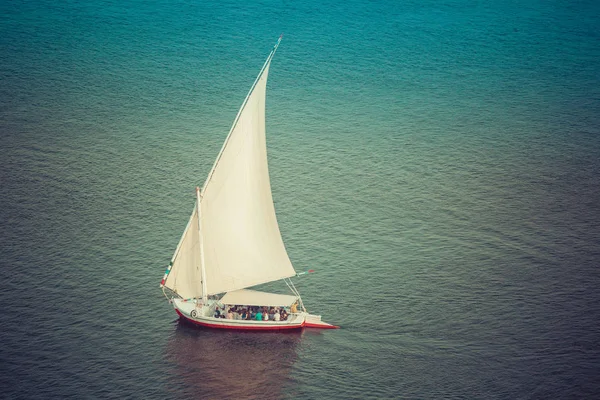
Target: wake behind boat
(232, 241)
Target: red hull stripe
(320, 326)
(238, 327)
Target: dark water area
(437, 164)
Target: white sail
(241, 239)
(184, 277)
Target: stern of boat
(190, 308)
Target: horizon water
(437, 164)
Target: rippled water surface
(437, 164)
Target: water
(436, 164)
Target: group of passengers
(254, 313)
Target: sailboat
(232, 240)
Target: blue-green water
(437, 164)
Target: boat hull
(203, 317)
(220, 323)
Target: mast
(202, 268)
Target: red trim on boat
(239, 327)
(320, 326)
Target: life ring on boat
(193, 313)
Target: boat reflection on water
(231, 364)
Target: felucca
(232, 241)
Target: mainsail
(240, 237)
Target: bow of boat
(314, 321)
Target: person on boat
(276, 316)
(265, 315)
(229, 314)
(294, 308)
(259, 315)
(217, 312)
